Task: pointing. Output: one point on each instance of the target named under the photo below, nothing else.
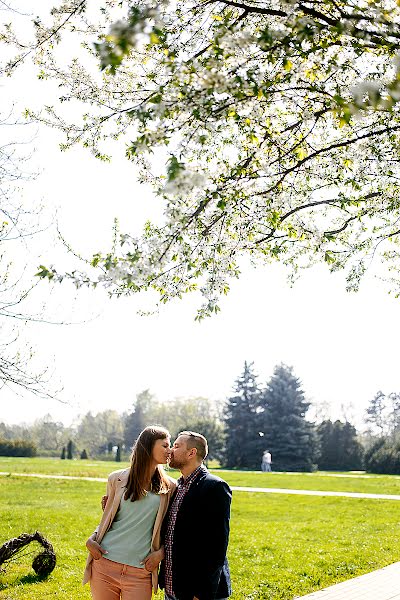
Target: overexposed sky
(342, 346)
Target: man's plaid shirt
(183, 486)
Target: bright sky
(342, 346)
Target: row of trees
(274, 417)
(100, 434)
(253, 419)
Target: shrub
(17, 448)
(383, 457)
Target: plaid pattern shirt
(183, 486)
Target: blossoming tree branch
(277, 124)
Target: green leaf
(174, 167)
(329, 257)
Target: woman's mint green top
(128, 541)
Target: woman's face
(161, 451)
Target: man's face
(179, 453)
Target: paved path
(262, 490)
(383, 584)
(316, 475)
(317, 493)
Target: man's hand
(153, 559)
(94, 548)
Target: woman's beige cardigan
(115, 488)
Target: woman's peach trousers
(114, 581)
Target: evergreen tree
(241, 421)
(84, 455)
(339, 446)
(63, 453)
(289, 436)
(118, 454)
(69, 449)
(135, 421)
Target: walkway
(317, 493)
(234, 488)
(383, 584)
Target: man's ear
(193, 452)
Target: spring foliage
(277, 124)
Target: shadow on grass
(33, 578)
(25, 579)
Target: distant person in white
(266, 461)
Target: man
(196, 527)
(266, 461)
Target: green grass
(379, 484)
(281, 546)
(56, 466)
(375, 484)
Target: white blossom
(213, 79)
(185, 181)
(365, 88)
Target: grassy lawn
(380, 484)
(375, 484)
(281, 546)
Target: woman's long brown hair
(141, 457)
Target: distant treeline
(17, 448)
(254, 419)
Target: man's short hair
(196, 440)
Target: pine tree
(289, 436)
(84, 455)
(63, 453)
(135, 421)
(241, 422)
(70, 446)
(118, 454)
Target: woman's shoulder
(118, 475)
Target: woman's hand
(153, 559)
(94, 548)
(104, 502)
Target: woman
(125, 548)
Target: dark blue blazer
(201, 534)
